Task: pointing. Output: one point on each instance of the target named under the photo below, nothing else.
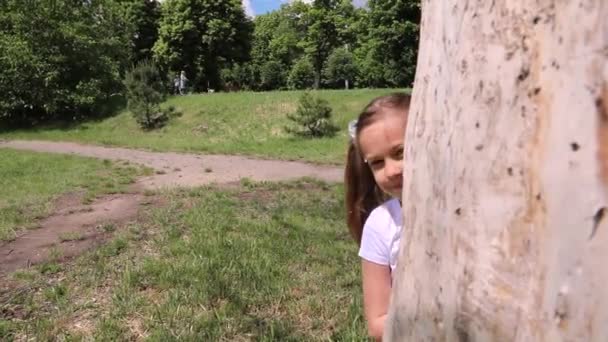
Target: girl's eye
(398, 154)
(376, 164)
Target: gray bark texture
(506, 175)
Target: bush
(271, 75)
(238, 77)
(340, 67)
(302, 75)
(312, 118)
(145, 92)
(59, 60)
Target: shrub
(302, 75)
(238, 77)
(312, 118)
(340, 67)
(59, 60)
(145, 92)
(271, 75)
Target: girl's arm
(376, 296)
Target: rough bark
(505, 228)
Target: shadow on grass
(65, 122)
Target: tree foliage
(302, 75)
(381, 40)
(145, 92)
(202, 37)
(64, 59)
(143, 16)
(387, 53)
(277, 38)
(59, 59)
(340, 67)
(313, 118)
(272, 75)
(322, 36)
(237, 77)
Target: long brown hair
(362, 192)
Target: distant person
(182, 83)
(176, 84)
(373, 182)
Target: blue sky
(255, 7)
(264, 6)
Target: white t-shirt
(381, 234)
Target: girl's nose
(394, 168)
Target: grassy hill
(246, 123)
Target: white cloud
(248, 8)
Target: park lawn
(267, 262)
(29, 182)
(243, 123)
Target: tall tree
(301, 75)
(59, 58)
(277, 37)
(346, 18)
(202, 37)
(340, 67)
(143, 16)
(505, 229)
(389, 45)
(322, 35)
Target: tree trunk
(505, 228)
(346, 84)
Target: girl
(373, 180)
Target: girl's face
(381, 145)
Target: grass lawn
(245, 123)
(30, 181)
(270, 262)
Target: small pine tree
(145, 92)
(312, 118)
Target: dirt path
(181, 169)
(74, 228)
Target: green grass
(272, 262)
(244, 123)
(29, 182)
(71, 236)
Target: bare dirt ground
(73, 227)
(182, 169)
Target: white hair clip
(352, 129)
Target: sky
(256, 7)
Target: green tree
(145, 92)
(302, 75)
(272, 75)
(59, 59)
(340, 67)
(389, 45)
(370, 68)
(202, 37)
(312, 118)
(346, 18)
(143, 16)
(238, 77)
(277, 36)
(305, 34)
(322, 36)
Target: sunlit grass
(247, 123)
(272, 262)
